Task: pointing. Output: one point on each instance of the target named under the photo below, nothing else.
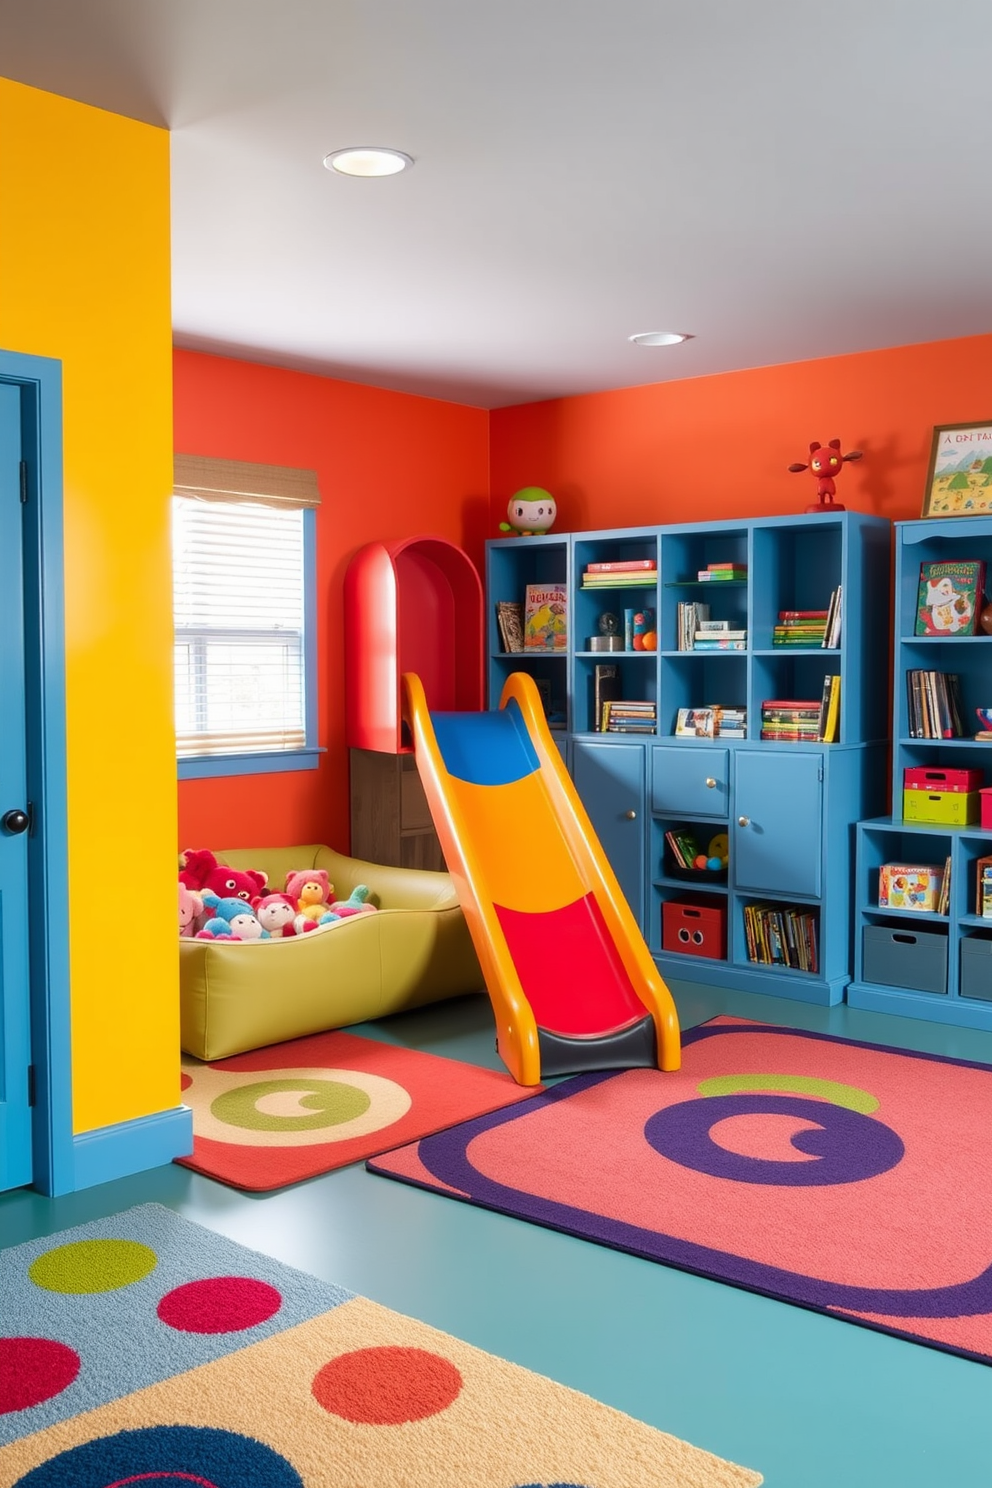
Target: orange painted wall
(390, 465)
(717, 447)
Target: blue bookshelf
(891, 948)
(787, 810)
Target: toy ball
(700, 862)
(531, 511)
(714, 864)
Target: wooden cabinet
(390, 819)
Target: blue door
(610, 780)
(15, 1042)
(777, 833)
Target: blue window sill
(216, 765)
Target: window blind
(238, 574)
(243, 480)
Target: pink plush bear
(310, 889)
(276, 913)
(190, 910)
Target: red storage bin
(694, 929)
(927, 778)
(986, 796)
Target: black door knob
(15, 822)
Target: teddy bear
(311, 890)
(190, 910)
(276, 913)
(200, 870)
(232, 919)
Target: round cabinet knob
(15, 822)
(710, 783)
(631, 815)
(743, 821)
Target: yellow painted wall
(84, 277)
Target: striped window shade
(239, 608)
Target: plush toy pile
(221, 903)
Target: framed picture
(959, 480)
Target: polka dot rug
(143, 1349)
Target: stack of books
(629, 716)
(719, 635)
(800, 628)
(810, 627)
(781, 937)
(690, 618)
(626, 573)
(804, 720)
(715, 722)
(715, 572)
(795, 720)
(935, 707)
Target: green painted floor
(810, 1401)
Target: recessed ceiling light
(368, 160)
(659, 338)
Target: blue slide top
(486, 748)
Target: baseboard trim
(131, 1146)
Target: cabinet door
(778, 822)
(610, 780)
(689, 781)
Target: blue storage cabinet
(788, 810)
(961, 940)
(610, 779)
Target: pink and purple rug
(845, 1177)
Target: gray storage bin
(976, 968)
(915, 960)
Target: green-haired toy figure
(531, 511)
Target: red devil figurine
(825, 461)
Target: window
(244, 609)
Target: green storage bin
(949, 808)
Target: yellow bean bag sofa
(237, 996)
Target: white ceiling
(784, 179)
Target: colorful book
(830, 731)
(983, 888)
(720, 575)
(625, 565)
(950, 597)
(605, 689)
(617, 580)
(913, 886)
(545, 617)
(510, 623)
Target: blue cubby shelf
(886, 838)
(788, 809)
